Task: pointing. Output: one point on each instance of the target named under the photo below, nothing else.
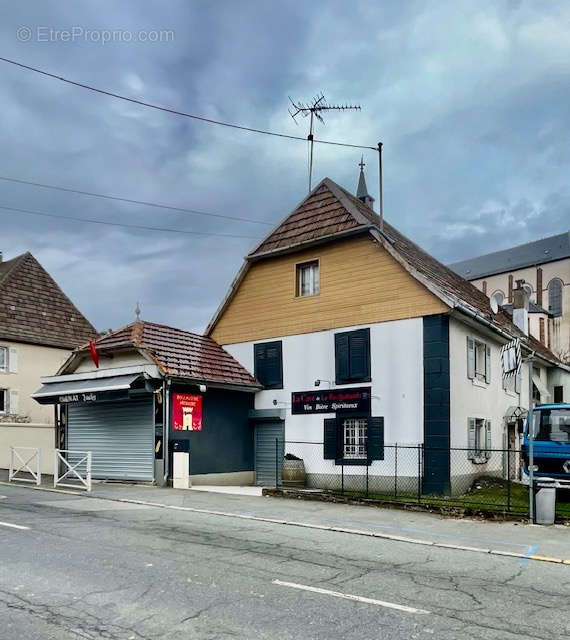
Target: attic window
(307, 279)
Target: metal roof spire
(362, 190)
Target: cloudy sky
(471, 100)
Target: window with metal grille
(308, 278)
(355, 434)
(555, 297)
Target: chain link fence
(476, 480)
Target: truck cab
(550, 424)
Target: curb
(307, 525)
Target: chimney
(520, 307)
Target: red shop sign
(187, 412)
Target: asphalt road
(93, 568)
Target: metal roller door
(119, 434)
(268, 452)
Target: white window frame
(480, 451)
(480, 359)
(354, 438)
(312, 287)
(4, 366)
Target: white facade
(396, 366)
(475, 398)
(397, 386)
(396, 362)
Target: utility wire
(83, 85)
(127, 226)
(132, 201)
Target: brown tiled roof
(321, 214)
(330, 211)
(180, 353)
(35, 310)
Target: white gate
(21, 464)
(72, 470)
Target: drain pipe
(166, 428)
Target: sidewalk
(415, 527)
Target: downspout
(166, 427)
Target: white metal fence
(78, 470)
(25, 460)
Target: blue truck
(551, 448)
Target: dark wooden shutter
(375, 438)
(341, 358)
(330, 439)
(359, 356)
(269, 364)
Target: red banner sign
(186, 412)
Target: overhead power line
(149, 105)
(126, 226)
(132, 201)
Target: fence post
(56, 468)
(367, 465)
(276, 463)
(342, 476)
(396, 471)
(508, 474)
(419, 473)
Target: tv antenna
(314, 110)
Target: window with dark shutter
(330, 439)
(268, 364)
(376, 438)
(352, 356)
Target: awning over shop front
(544, 393)
(82, 390)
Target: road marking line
(306, 525)
(14, 526)
(349, 596)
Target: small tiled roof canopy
(34, 310)
(179, 353)
(331, 212)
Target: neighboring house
(39, 327)
(332, 302)
(154, 389)
(544, 265)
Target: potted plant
(293, 471)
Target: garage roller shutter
(266, 451)
(120, 436)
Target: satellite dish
(494, 305)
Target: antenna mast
(314, 109)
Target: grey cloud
(470, 100)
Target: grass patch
(485, 495)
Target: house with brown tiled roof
(39, 327)
(146, 395)
(363, 341)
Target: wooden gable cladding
(360, 283)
